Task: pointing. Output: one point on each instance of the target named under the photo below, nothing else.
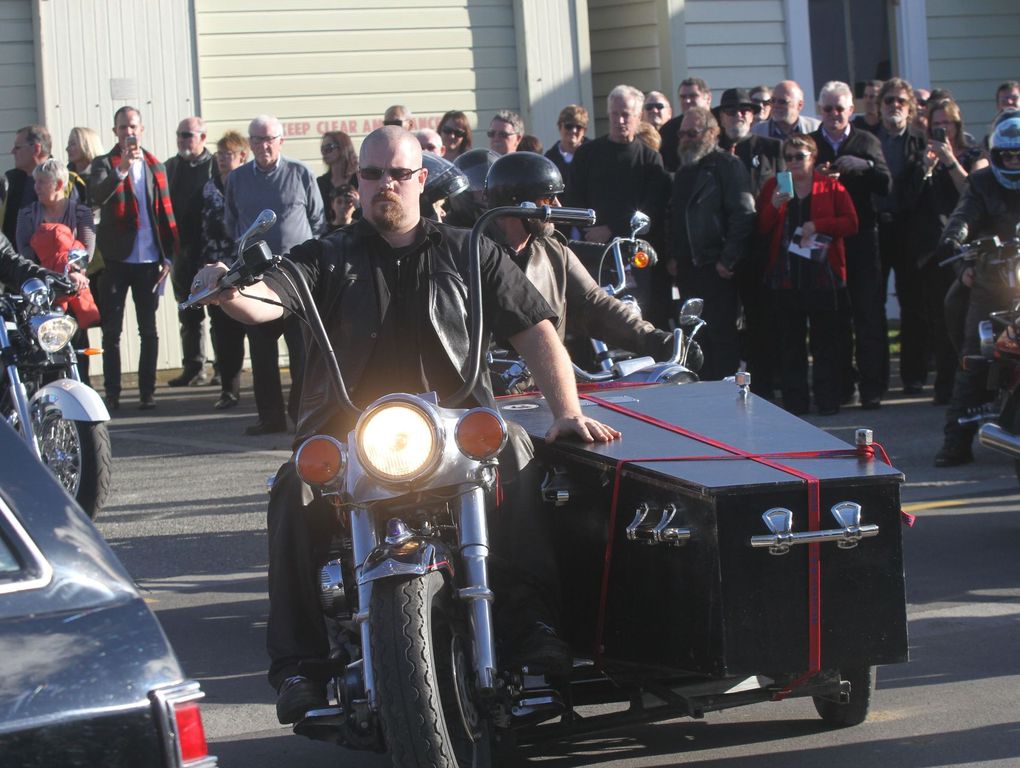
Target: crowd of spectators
(787, 224)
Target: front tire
(420, 658)
(854, 712)
(78, 454)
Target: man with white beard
(903, 147)
(762, 157)
(710, 224)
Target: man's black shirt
(378, 304)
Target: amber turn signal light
(640, 260)
(481, 433)
(320, 459)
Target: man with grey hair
(786, 118)
(855, 157)
(505, 131)
(288, 187)
(32, 145)
(657, 110)
(187, 172)
(430, 141)
(692, 92)
(400, 115)
(711, 220)
(617, 175)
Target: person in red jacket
(806, 274)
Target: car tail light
(481, 433)
(180, 724)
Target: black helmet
(522, 177)
(475, 164)
(445, 180)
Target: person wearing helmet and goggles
(990, 205)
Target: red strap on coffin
(814, 520)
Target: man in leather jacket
(16, 269)
(710, 221)
(580, 304)
(990, 205)
(392, 291)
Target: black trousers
(795, 312)
(936, 283)
(228, 345)
(759, 342)
(301, 527)
(190, 321)
(898, 256)
(970, 387)
(866, 325)
(718, 339)
(118, 279)
(263, 341)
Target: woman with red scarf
(806, 274)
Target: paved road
(187, 517)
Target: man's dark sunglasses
(762, 102)
(690, 133)
(656, 105)
(187, 134)
(371, 173)
(393, 122)
(448, 130)
(573, 127)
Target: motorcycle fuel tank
(722, 536)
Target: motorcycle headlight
(53, 332)
(399, 440)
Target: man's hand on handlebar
(587, 429)
(207, 279)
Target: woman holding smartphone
(806, 215)
(937, 186)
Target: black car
(87, 676)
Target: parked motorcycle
(43, 397)
(510, 374)
(414, 667)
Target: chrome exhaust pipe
(995, 437)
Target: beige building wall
(322, 65)
(18, 102)
(654, 44)
(972, 47)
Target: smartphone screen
(784, 183)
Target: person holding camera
(950, 157)
(137, 235)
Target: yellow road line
(917, 506)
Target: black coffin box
(713, 605)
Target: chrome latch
(779, 521)
(662, 532)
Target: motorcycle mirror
(692, 308)
(36, 292)
(78, 256)
(639, 224)
(263, 222)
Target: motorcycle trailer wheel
(78, 454)
(420, 656)
(854, 712)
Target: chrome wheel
(61, 451)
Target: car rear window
(22, 565)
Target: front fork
(473, 528)
(473, 544)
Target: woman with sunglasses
(936, 185)
(456, 132)
(342, 168)
(572, 125)
(806, 275)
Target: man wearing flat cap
(762, 157)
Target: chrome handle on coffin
(780, 522)
(659, 533)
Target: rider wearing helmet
(444, 182)
(466, 209)
(990, 205)
(580, 304)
